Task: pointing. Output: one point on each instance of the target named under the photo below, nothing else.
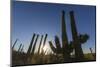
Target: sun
(45, 48)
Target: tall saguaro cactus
(31, 43)
(77, 45)
(33, 49)
(40, 44)
(66, 53)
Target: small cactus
(22, 49)
(31, 43)
(33, 49)
(45, 40)
(19, 48)
(92, 53)
(40, 44)
(14, 44)
(58, 49)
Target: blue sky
(42, 18)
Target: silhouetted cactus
(60, 54)
(78, 49)
(92, 53)
(45, 40)
(58, 49)
(31, 43)
(22, 49)
(33, 49)
(83, 38)
(65, 47)
(52, 47)
(57, 42)
(40, 44)
(14, 44)
(28, 55)
(19, 48)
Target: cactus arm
(57, 42)
(52, 47)
(45, 40)
(83, 38)
(19, 47)
(31, 43)
(40, 44)
(22, 48)
(33, 50)
(14, 44)
(92, 53)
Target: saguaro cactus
(14, 44)
(28, 56)
(58, 49)
(66, 53)
(31, 43)
(19, 47)
(83, 38)
(52, 47)
(33, 49)
(92, 53)
(22, 49)
(78, 49)
(45, 40)
(40, 44)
